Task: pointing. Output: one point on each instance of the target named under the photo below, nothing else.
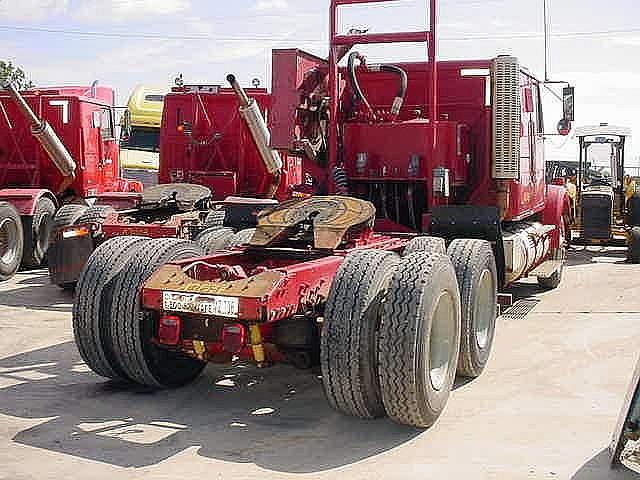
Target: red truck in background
(58, 154)
(216, 170)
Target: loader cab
(601, 204)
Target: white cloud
(90, 11)
(270, 5)
(122, 11)
(31, 10)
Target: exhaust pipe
(252, 115)
(45, 135)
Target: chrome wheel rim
(8, 240)
(484, 309)
(441, 339)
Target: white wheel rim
(484, 309)
(44, 231)
(441, 339)
(8, 240)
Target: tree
(10, 72)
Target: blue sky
(126, 42)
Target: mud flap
(67, 258)
(468, 221)
(626, 437)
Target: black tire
(242, 237)
(11, 241)
(634, 245)
(96, 214)
(426, 245)
(41, 227)
(475, 267)
(419, 339)
(214, 239)
(132, 328)
(91, 309)
(348, 346)
(215, 218)
(65, 217)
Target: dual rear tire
(396, 331)
(113, 333)
(11, 241)
(18, 248)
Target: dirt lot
(545, 407)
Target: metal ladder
(336, 41)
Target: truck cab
(140, 135)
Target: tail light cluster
(169, 330)
(234, 335)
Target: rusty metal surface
(331, 217)
(172, 278)
(117, 225)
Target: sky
(594, 44)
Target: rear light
(180, 128)
(76, 232)
(169, 330)
(234, 337)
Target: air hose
(357, 91)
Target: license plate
(201, 304)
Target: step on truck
(58, 154)
(436, 202)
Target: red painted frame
(336, 41)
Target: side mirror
(568, 106)
(564, 127)
(126, 123)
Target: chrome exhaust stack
(45, 135)
(250, 112)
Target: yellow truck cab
(140, 137)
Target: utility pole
(545, 11)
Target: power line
(222, 38)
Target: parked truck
(436, 202)
(58, 152)
(140, 134)
(211, 174)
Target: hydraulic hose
(353, 78)
(402, 88)
(356, 57)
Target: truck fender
(557, 211)
(24, 200)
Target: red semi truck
(437, 200)
(58, 153)
(216, 170)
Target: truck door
(108, 150)
(537, 139)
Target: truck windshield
(147, 139)
(599, 166)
